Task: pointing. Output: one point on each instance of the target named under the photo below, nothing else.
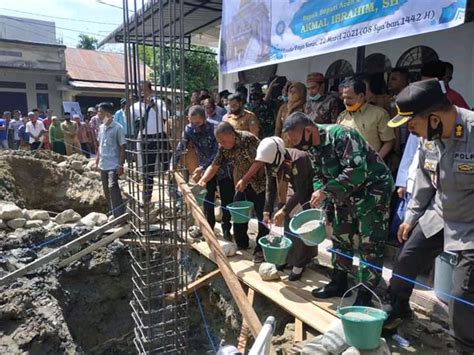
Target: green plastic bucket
(275, 253)
(363, 334)
(240, 211)
(199, 194)
(312, 237)
(362, 325)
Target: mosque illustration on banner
(248, 34)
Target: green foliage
(87, 42)
(200, 69)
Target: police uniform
(358, 186)
(452, 167)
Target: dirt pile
(49, 181)
(83, 308)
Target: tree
(87, 42)
(200, 69)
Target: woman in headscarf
(296, 102)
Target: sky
(103, 15)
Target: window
(41, 86)
(42, 100)
(12, 85)
(414, 58)
(337, 72)
(377, 63)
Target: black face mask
(304, 143)
(434, 133)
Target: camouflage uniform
(358, 185)
(323, 110)
(266, 117)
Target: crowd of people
(377, 160)
(66, 134)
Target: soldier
(319, 107)
(430, 115)
(351, 178)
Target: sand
(308, 227)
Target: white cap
(271, 150)
(76, 116)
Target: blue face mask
(315, 97)
(284, 98)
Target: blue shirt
(111, 137)
(205, 144)
(216, 118)
(3, 133)
(119, 117)
(23, 135)
(410, 149)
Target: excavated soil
(49, 181)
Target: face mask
(434, 133)
(354, 107)
(227, 108)
(304, 143)
(284, 98)
(195, 126)
(315, 97)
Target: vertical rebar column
(154, 72)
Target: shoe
(282, 267)
(258, 257)
(399, 311)
(294, 276)
(335, 288)
(227, 236)
(364, 299)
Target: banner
(73, 108)
(255, 33)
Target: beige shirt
(246, 121)
(371, 122)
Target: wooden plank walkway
(294, 297)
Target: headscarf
(298, 102)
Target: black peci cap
(416, 98)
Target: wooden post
(61, 250)
(104, 241)
(245, 331)
(299, 331)
(228, 274)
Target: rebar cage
(155, 93)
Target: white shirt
(35, 130)
(156, 117)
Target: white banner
(256, 33)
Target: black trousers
(155, 150)
(461, 314)
(227, 192)
(86, 149)
(35, 145)
(240, 229)
(416, 256)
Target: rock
(3, 225)
(194, 231)
(383, 349)
(24, 255)
(94, 175)
(9, 211)
(94, 219)
(77, 165)
(90, 166)
(63, 164)
(67, 216)
(35, 223)
(49, 225)
(37, 214)
(268, 272)
(116, 247)
(229, 248)
(16, 223)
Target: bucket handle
(354, 287)
(241, 193)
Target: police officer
(430, 115)
(352, 179)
